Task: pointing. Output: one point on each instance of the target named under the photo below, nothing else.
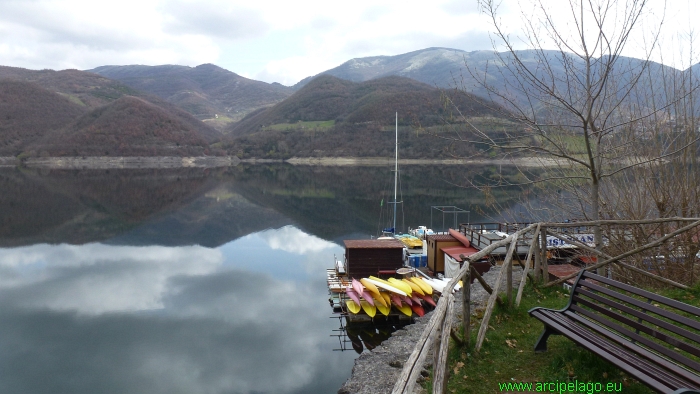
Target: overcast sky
(268, 40)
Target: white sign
(554, 242)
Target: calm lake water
(190, 280)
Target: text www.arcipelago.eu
(561, 387)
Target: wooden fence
(437, 333)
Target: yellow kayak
(405, 309)
(385, 285)
(416, 289)
(379, 300)
(383, 309)
(369, 309)
(401, 285)
(369, 286)
(352, 306)
(387, 299)
(427, 289)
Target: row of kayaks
(407, 295)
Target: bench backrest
(662, 327)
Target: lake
(192, 280)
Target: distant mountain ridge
(208, 92)
(43, 112)
(453, 68)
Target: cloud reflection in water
(100, 319)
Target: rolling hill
(129, 126)
(47, 105)
(210, 93)
(327, 98)
(28, 112)
(334, 117)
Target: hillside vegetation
(28, 112)
(129, 126)
(42, 113)
(207, 91)
(334, 117)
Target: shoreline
(117, 162)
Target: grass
(507, 354)
(318, 125)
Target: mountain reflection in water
(186, 280)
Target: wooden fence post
(466, 305)
(523, 280)
(538, 257)
(440, 372)
(543, 254)
(492, 299)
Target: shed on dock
(436, 257)
(367, 257)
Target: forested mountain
(42, 113)
(210, 93)
(129, 126)
(334, 117)
(28, 112)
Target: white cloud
(292, 240)
(97, 278)
(267, 39)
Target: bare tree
(582, 107)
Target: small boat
(353, 307)
(428, 299)
(370, 310)
(367, 296)
(357, 286)
(401, 285)
(380, 301)
(354, 296)
(410, 241)
(384, 309)
(418, 309)
(425, 286)
(369, 286)
(421, 232)
(416, 289)
(385, 285)
(405, 309)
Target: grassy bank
(508, 356)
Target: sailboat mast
(396, 169)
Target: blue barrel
(414, 261)
(424, 260)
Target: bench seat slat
(583, 337)
(646, 341)
(647, 294)
(651, 319)
(638, 326)
(602, 316)
(647, 354)
(649, 307)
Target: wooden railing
(439, 329)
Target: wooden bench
(653, 338)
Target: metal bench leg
(541, 344)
